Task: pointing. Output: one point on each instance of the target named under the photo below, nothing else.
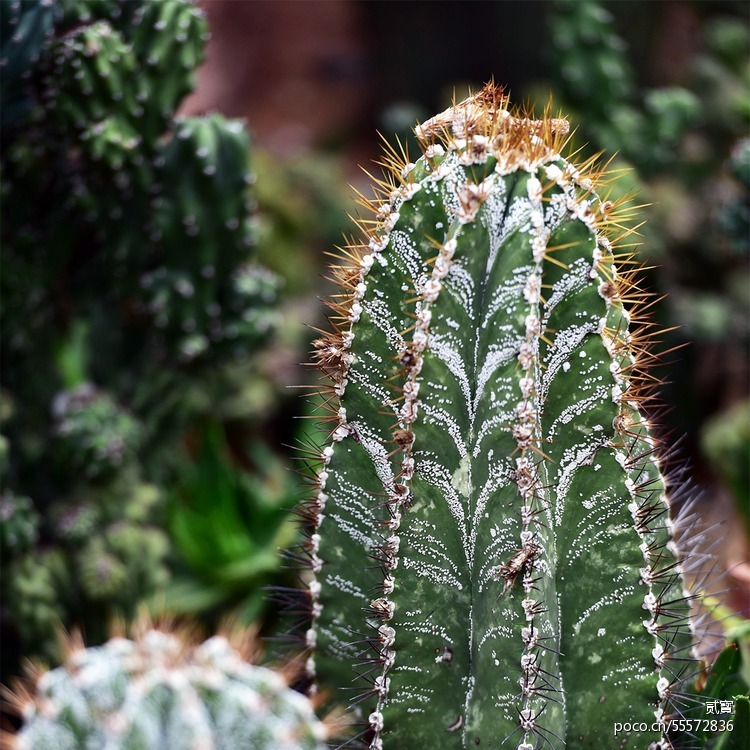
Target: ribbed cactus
(162, 691)
(489, 533)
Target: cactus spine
(490, 516)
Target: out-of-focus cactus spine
(491, 515)
(164, 690)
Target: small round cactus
(95, 435)
(19, 525)
(161, 690)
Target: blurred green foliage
(134, 312)
(228, 525)
(726, 443)
(302, 212)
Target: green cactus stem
(162, 690)
(490, 541)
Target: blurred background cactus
(165, 688)
(133, 310)
(688, 148)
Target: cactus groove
(489, 546)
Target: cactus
(161, 202)
(489, 537)
(96, 550)
(24, 30)
(36, 583)
(19, 525)
(164, 690)
(94, 436)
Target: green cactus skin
(159, 691)
(490, 502)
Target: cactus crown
(489, 535)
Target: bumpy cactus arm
(490, 501)
(24, 29)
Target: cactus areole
(490, 541)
